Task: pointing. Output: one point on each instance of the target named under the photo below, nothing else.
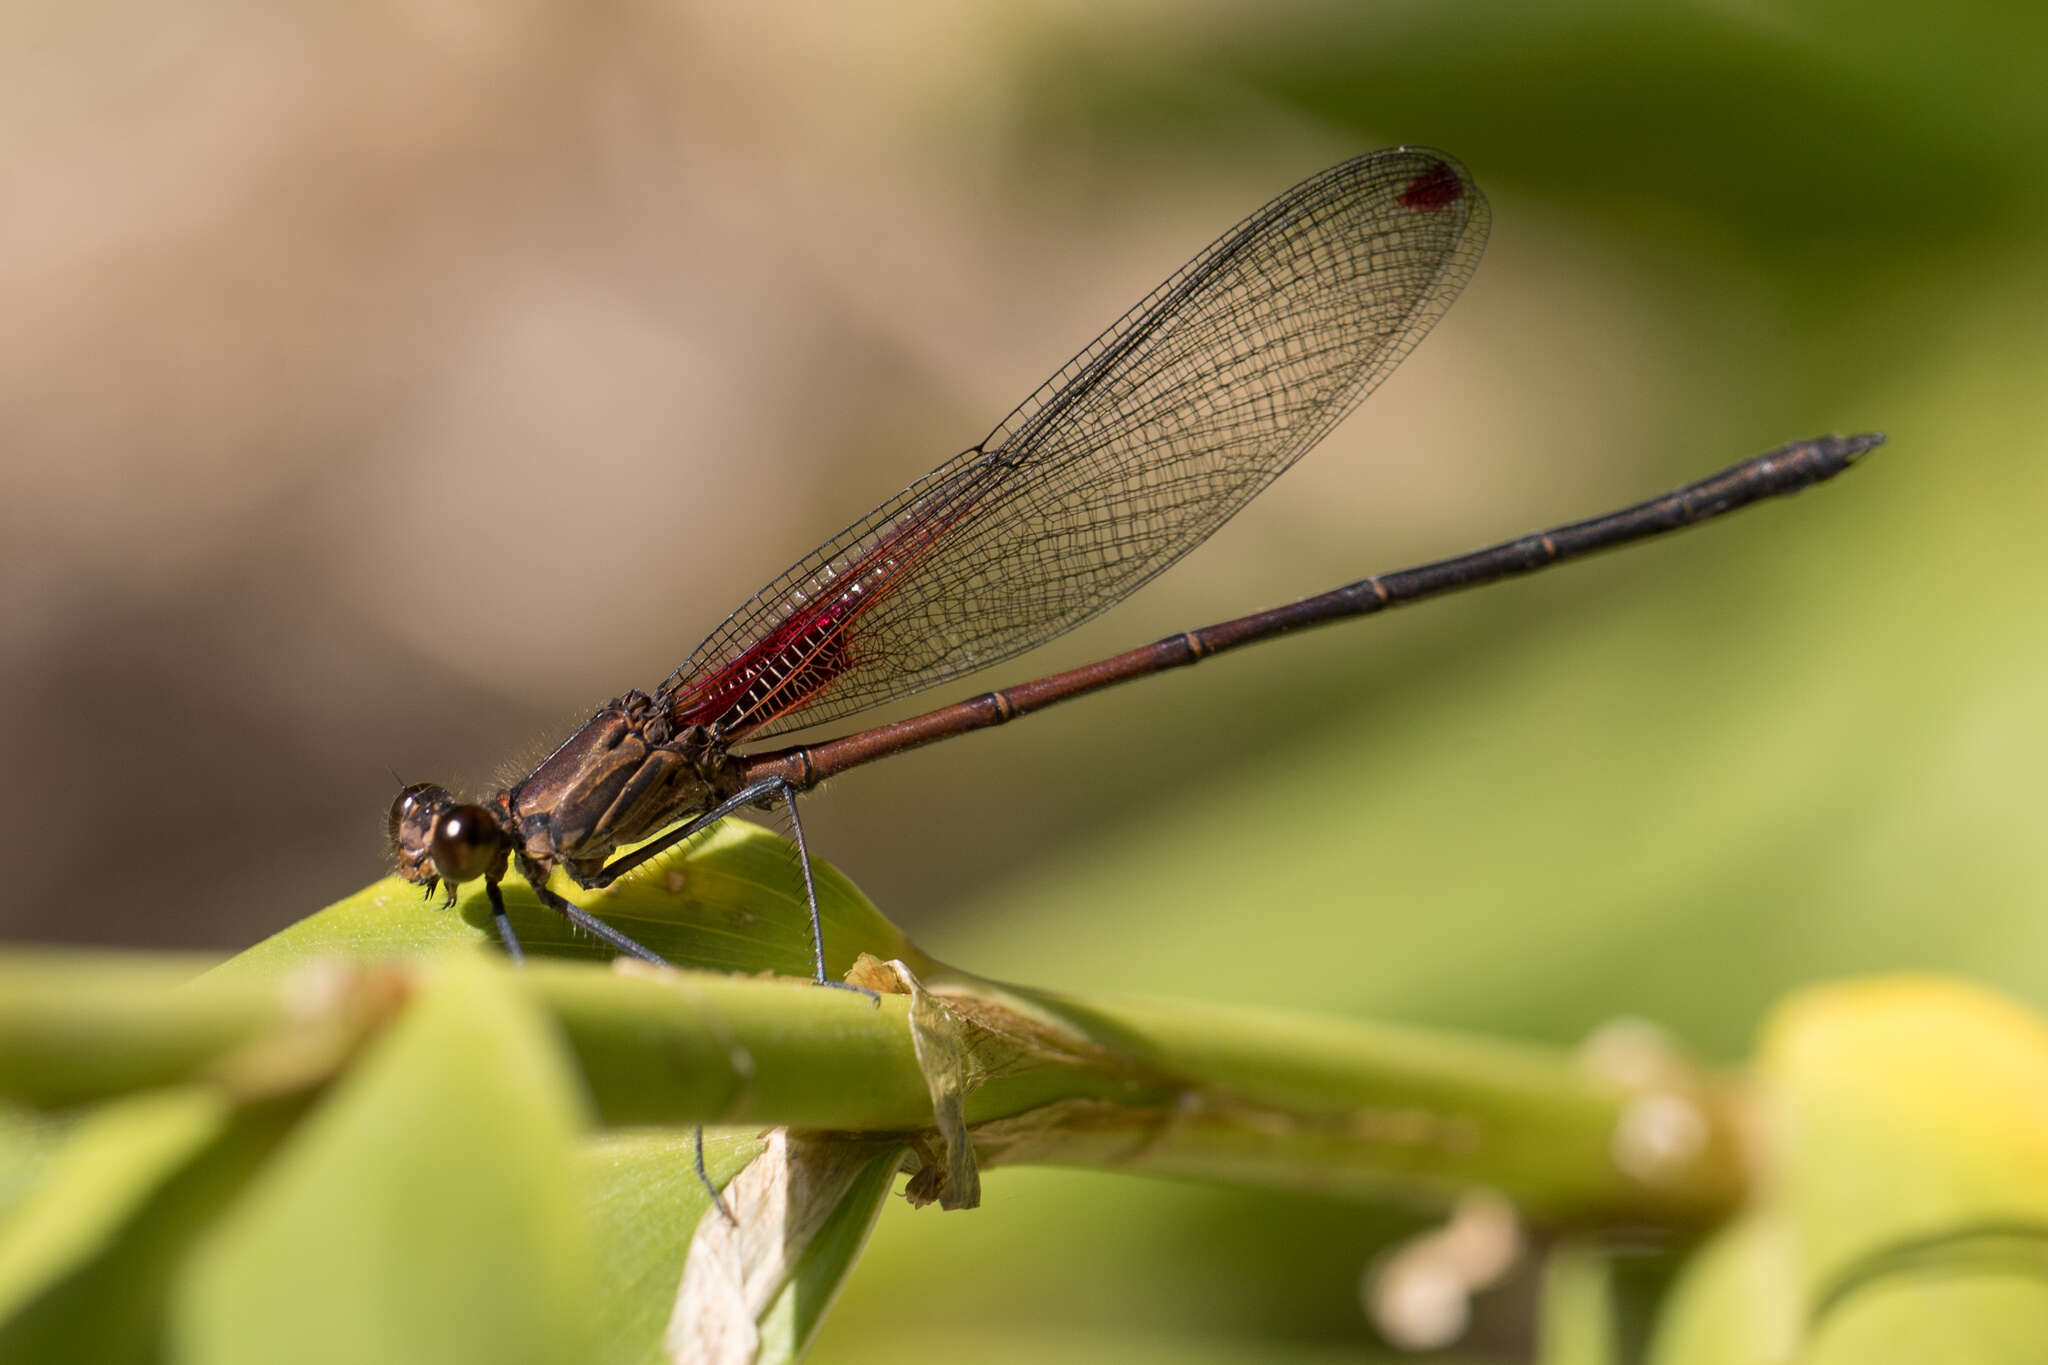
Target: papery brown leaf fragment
(941, 1046)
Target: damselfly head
(415, 798)
(466, 841)
(414, 813)
(435, 836)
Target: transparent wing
(1125, 460)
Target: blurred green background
(386, 386)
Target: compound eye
(465, 840)
(407, 801)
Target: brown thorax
(624, 776)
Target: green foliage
(420, 1159)
(91, 1254)
(422, 1211)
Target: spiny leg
(746, 796)
(504, 923)
(703, 1175)
(584, 920)
(803, 860)
(768, 788)
(765, 789)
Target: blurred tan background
(385, 388)
(382, 387)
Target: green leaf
(28, 1142)
(729, 900)
(91, 1257)
(1906, 1216)
(1737, 1302)
(427, 1211)
(1914, 1180)
(95, 1183)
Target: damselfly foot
(874, 997)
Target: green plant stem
(77, 1026)
(1264, 1097)
(1320, 1103)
